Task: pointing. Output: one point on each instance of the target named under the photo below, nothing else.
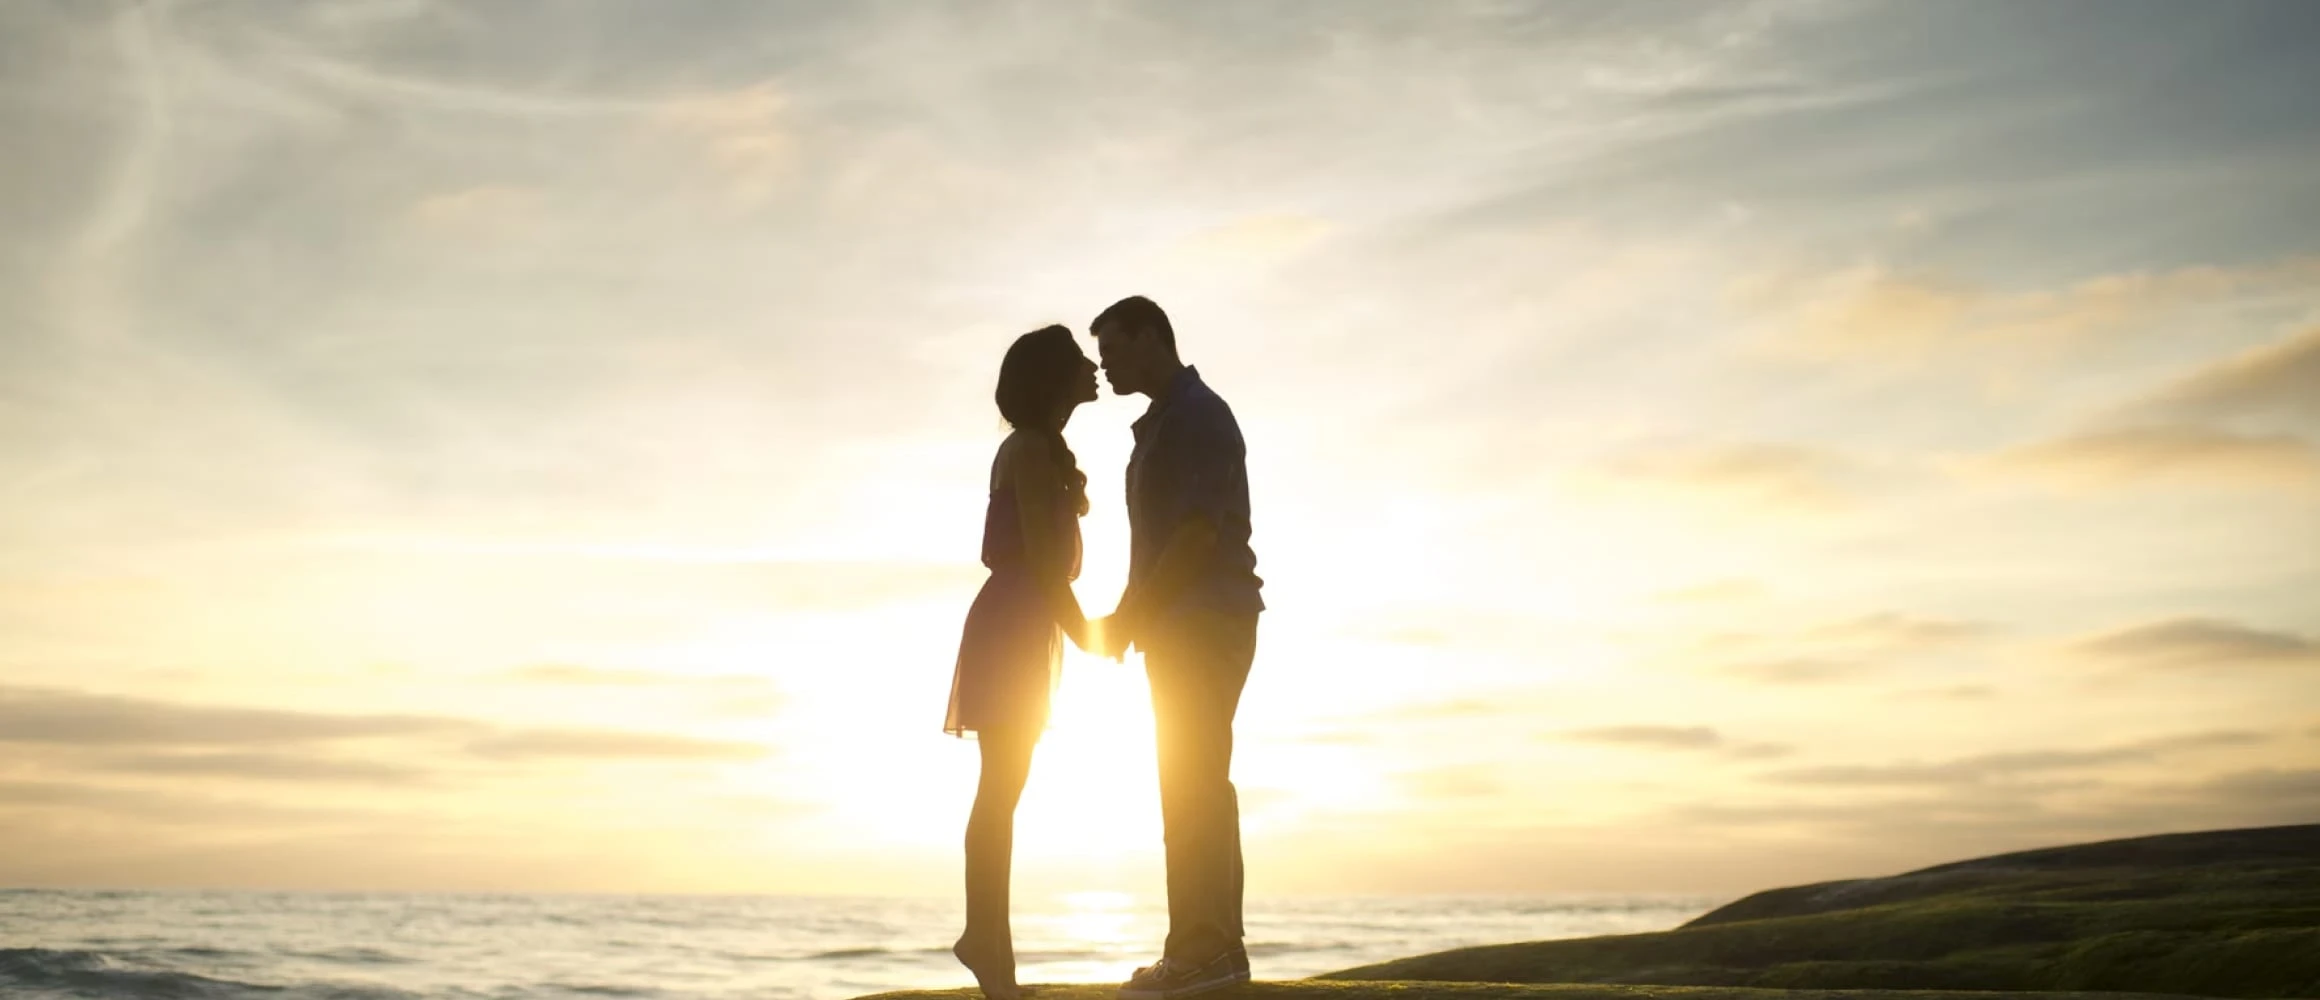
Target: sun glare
(1094, 786)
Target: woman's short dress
(1011, 652)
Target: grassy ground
(1314, 989)
(2227, 914)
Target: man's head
(1137, 346)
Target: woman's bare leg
(988, 947)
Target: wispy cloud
(1839, 650)
(598, 744)
(2280, 380)
(2002, 767)
(159, 808)
(2195, 645)
(1954, 692)
(1893, 631)
(1873, 311)
(34, 715)
(579, 675)
(251, 742)
(745, 135)
(260, 766)
(1766, 476)
(1676, 738)
(2167, 453)
(1799, 670)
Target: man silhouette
(1191, 605)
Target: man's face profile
(1117, 347)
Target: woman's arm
(1038, 488)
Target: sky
(1696, 448)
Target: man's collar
(1184, 378)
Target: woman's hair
(1035, 383)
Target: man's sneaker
(1174, 978)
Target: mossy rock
(2233, 913)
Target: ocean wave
(600, 990)
(846, 953)
(355, 956)
(77, 973)
(203, 951)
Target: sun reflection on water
(1092, 936)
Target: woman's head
(1043, 378)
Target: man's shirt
(1190, 462)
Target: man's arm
(1212, 460)
(1187, 554)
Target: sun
(1094, 790)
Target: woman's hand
(1076, 629)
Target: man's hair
(1138, 314)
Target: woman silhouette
(1012, 647)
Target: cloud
(1842, 650)
(602, 744)
(1872, 309)
(2267, 785)
(81, 721)
(480, 210)
(150, 806)
(1894, 631)
(2198, 644)
(1661, 737)
(562, 673)
(1758, 751)
(39, 715)
(1780, 477)
(2171, 452)
(1252, 240)
(2279, 380)
(743, 134)
(1678, 738)
(1955, 692)
(1797, 670)
(577, 675)
(1995, 768)
(259, 766)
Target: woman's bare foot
(994, 971)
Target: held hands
(1103, 637)
(1112, 634)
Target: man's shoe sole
(1227, 981)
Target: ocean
(113, 945)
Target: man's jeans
(1197, 663)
